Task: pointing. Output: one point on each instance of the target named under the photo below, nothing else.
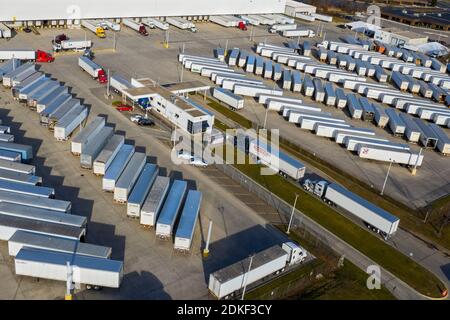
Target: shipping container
(226, 96)
(387, 154)
(141, 189)
(9, 225)
(116, 167)
(106, 156)
(129, 176)
(154, 201)
(26, 151)
(83, 137)
(95, 145)
(67, 124)
(22, 239)
(170, 210)
(188, 221)
(395, 123)
(52, 265)
(380, 116)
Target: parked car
(124, 107)
(136, 117)
(145, 122)
(27, 30)
(198, 162)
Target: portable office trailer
(233, 57)
(341, 98)
(427, 137)
(330, 96)
(388, 154)
(9, 225)
(352, 143)
(83, 137)
(106, 156)
(27, 239)
(67, 124)
(39, 214)
(10, 156)
(116, 167)
(354, 106)
(412, 132)
(169, 212)
(17, 167)
(443, 142)
(296, 81)
(287, 79)
(52, 265)
(129, 177)
(226, 96)
(20, 177)
(308, 86)
(141, 190)
(154, 201)
(319, 92)
(35, 201)
(44, 103)
(92, 149)
(188, 221)
(26, 151)
(395, 123)
(380, 74)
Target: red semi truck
(29, 55)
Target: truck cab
(100, 32)
(143, 31)
(296, 254)
(42, 56)
(319, 188)
(242, 26)
(193, 29)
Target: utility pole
(184, 44)
(246, 278)
(107, 86)
(114, 41)
(208, 239)
(414, 170)
(251, 33)
(387, 176)
(292, 214)
(69, 282)
(226, 48)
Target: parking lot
(152, 269)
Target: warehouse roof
(239, 268)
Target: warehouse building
(62, 12)
(178, 110)
(294, 7)
(399, 37)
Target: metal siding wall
(64, 9)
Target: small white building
(399, 37)
(294, 7)
(180, 111)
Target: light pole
(251, 33)
(414, 170)
(246, 278)
(292, 214)
(265, 117)
(206, 250)
(387, 176)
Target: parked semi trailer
(136, 26)
(181, 23)
(117, 166)
(188, 221)
(17, 166)
(374, 217)
(107, 155)
(72, 45)
(23, 54)
(154, 201)
(129, 176)
(83, 137)
(229, 282)
(96, 29)
(87, 270)
(95, 70)
(68, 124)
(234, 101)
(141, 190)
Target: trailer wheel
(97, 288)
(88, 286)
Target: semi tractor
(72, 45)
(228, 283)
(30, 55)
(375, 218)
(93, 69)
(97, 30)
(136, 26)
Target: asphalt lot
(152, 269)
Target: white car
(198, 162)
(184, 155)
(136, 117)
